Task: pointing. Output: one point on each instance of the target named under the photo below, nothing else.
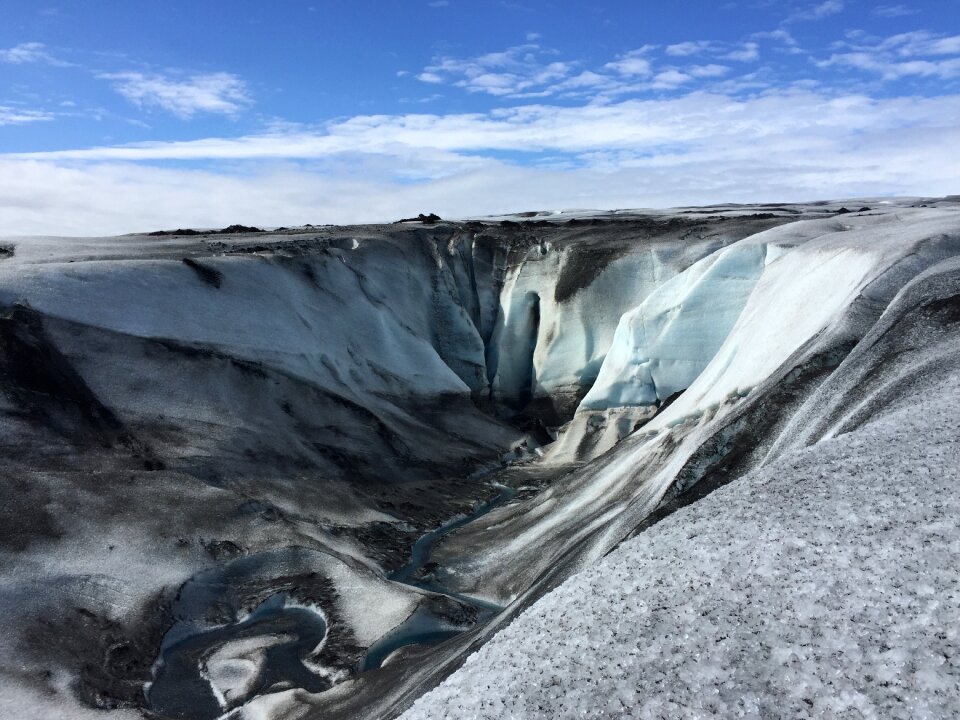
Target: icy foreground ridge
(220, 450)
(823, 584)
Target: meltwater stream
(265, 651)
(420, 554)
(423, 628)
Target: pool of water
(421, 628)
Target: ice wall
(661, 346)
(332, 316)
(577, 283)
(806, 290)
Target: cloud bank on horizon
(136, 118)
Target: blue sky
(122, 115)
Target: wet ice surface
(824, 584)
(424, 627)
(203, 674)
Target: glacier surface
(822, 584)
(714, 444)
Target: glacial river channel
(181, 689)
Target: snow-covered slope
(218, 447)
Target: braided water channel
(281, 635)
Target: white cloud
(685, 49)
(30, 52)
(708, 71)
(221, 93)
(586, 79)
(913, 54)
(783, 36)
(695, 118)
(921, 43)
(820, 11)
(670, 79)
(889, 70)
(944, 46)
(18, 116)
(695, 148)
(429, 77)
(630, 65)
(531, 71)
(893, 11)
(522, 70)
(748, 52)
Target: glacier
(626, 444)
(821, 584)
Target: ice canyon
(683, 463)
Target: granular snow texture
(825, 584)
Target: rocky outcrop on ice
(220, 448)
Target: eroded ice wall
(821, 284)
(563, 298)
